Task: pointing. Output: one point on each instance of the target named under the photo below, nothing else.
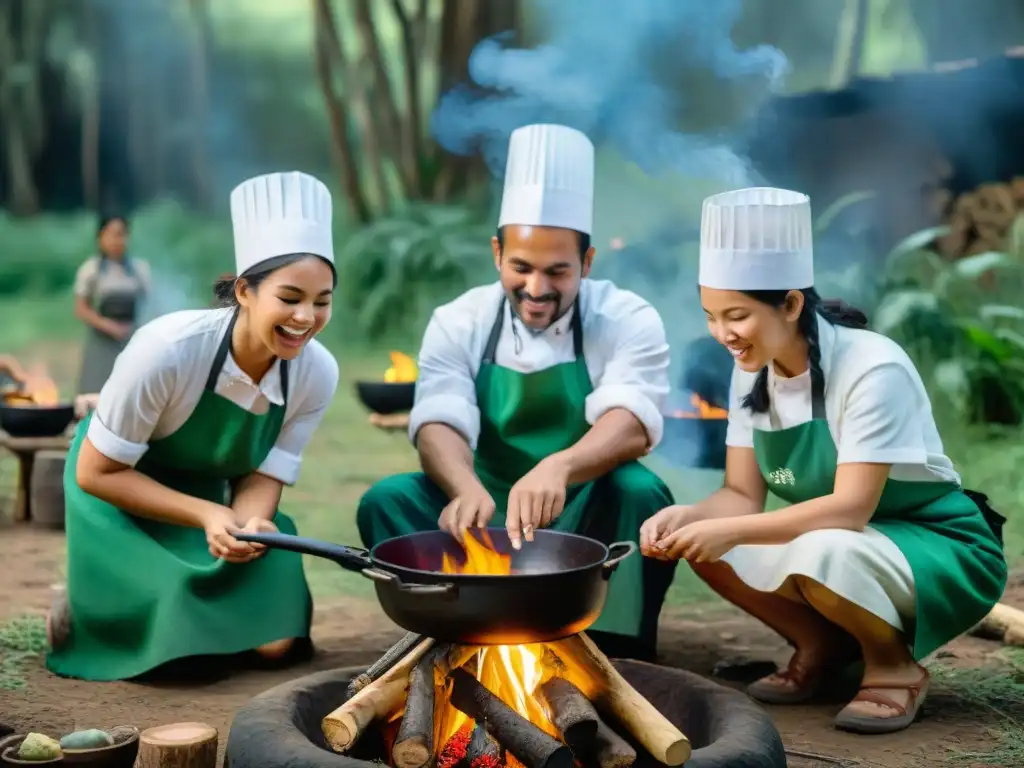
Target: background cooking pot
(558, 587)
(36, 420)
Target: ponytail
(834, 311)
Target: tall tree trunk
(23, 194)
(413, 31)
(200, 97)
(341, 145)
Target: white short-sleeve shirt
(158, 379)
(876, 405)
(624, 345)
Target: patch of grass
(997, 689)
(21, 639)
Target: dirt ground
(355, 632)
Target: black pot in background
(36, 420)
(386, 397)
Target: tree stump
(178, 745)
(46, 488)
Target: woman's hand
(701, 541)
(219, 525)
(116, 330)
(661, 524)
(258, 525)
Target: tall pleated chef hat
(549, 179)
(279, 214)
(756, 239)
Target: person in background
(108, 290)
(201, 424)
(882, 554)
(538, 393)
(12, 374)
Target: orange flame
(702, 409)
(513, 673)
(38, 390)
(403, 369)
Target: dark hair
(107, 219)
(224, 286)
(834, 311)
(584, 240)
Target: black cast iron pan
(557, 588)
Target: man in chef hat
(538, 393)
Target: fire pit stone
(283, 725)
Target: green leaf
(1000, 312)
(917, 241)
(897, 307)
(831, 213)
(953, 379)
(973, 267)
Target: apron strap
(492, 340)
(817, 404)
(222, 355)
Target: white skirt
(862, 567)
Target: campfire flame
(702, 409)
(513, 673)
(403, 369)
(39, 390)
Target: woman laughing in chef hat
(881, 554)
(201, 424)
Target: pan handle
(626, 548)
(447, 589)
(349, 558)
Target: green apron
(953, 550)
(142, 593)
(525, 418)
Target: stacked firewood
(981, 220)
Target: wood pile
(981, 220)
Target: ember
(522, 706)
(702, 409)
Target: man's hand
(474, 507)
(536, 500)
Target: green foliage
(397, 269)
(960, 320)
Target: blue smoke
(602, 70)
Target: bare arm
(12, 368)
(256, 495)
(447, 459)
(744, 491)
(616, 437)
(850, 506)
(92, 318)
(127, 489)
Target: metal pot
(557, 589)
(36, 420)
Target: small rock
(727, 636)
(87, 739)
(36, 748)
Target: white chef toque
(756, 239)
(280, 214)
(549, 179)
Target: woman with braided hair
(881, 555)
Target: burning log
(391, 657)
(611, 750)
(414, 746)
(378, 700)
(525, 741)
(483, 751)
(571, 712)
(617, 697)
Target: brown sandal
(849, 721)
(806, 682)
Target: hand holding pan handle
(352, 559)
(625, 548)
